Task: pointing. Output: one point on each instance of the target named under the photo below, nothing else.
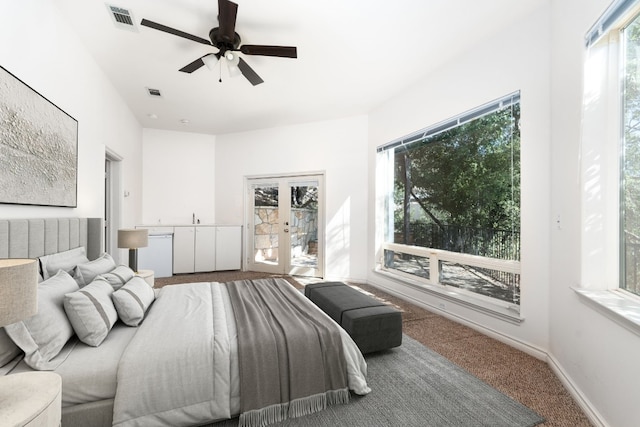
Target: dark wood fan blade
(173, 31)
(193, 66)
(281, 51)
(248, 72)
(227, 12)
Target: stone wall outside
(303, 227)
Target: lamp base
(133, 259)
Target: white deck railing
(435, 256)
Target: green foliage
(631, 157)
(468, 176)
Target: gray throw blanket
(290, 355)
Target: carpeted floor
(516, 374)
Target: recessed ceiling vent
(154, 92)
(122, 18)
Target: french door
(285, 225)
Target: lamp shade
(210, 61)
(133, 238)
(18, 290)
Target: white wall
(39, 49)
(543, 57)
(517, 58)
(337, 147)
(599, 356)
(178, 177)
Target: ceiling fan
(225, 38)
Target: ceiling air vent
(122, 18)
(154, 92)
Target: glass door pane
(303, 228)
(266, 228)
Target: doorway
(285, 224)
(112, 202)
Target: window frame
(602, 148)
(496, 307)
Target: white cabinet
(194, 249)
(205, 249)
(184, 249)
(228, 247)
(202, 248)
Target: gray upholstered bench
(373, 325)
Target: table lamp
(27, 398)
(18, 289)
(133, 239)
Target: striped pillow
(91, 311)
(118, 276)
(132, 300)
(86, 272)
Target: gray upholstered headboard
(32, 238)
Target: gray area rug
(414, 386)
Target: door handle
(286, 230)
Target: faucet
(193, 220)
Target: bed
(186, 354)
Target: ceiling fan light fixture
(234, 71)
(232, 63)
(210, 61)
(232, 57)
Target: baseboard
(522, 346)
(589, 410)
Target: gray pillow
(86, 272)
(132, 300)
(91, 311)
(43, 335)
(67, 261)
(118, 276)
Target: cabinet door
(205, 255)
(228, 248)
(183, 249)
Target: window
(630, 164)
(610, 166)
(453, 203)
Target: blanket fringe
(296, 408)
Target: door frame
(284, 256)
(112, 202)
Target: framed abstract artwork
(38, 148)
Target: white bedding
(85, 381)
(179, 367)
(183, 370)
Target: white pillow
(132, 300)
(67, 261)
(91, 311)
(86, 272)
(43, 335)
(118, 276)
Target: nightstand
(147, 275)
(31, 399)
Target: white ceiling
(352, 55)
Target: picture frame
(38, 148)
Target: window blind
(611, 18)
(483, 110)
